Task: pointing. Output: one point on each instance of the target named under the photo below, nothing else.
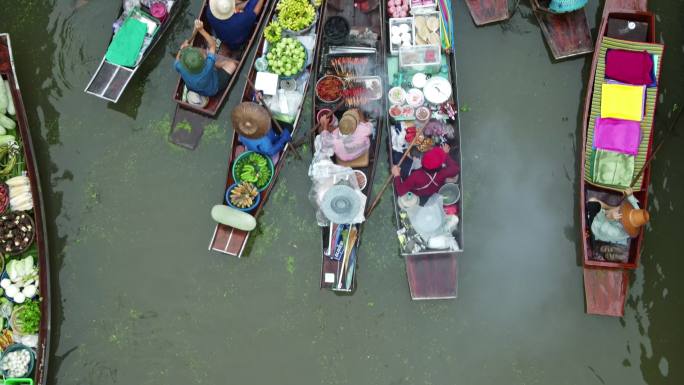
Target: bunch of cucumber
(7, 108)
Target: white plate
(437, 90)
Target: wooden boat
(567, 34)
(185, 110)
(365, 15)
(40, 253)
(229, 240)
(110, 80)
(626, 24)
(488, 11)
(431, 273)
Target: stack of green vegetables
(253, 168)
(19, 300)
(295, 15)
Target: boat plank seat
(360, 162)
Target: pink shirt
(348, 147)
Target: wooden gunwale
(606, 283)
(7, 69)
(216, 102)
(233, 241)
(328, 265)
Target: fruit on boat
(243, 195)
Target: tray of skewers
(350, 65)
(361, 90)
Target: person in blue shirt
(233, 23)
(200, 69)
(253, 124)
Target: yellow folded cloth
(621, 101)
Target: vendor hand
(396, 171)
(628, 191)
(446, 148)
(198, 24)
(614, 214)
(186, 43)
(325, 123)
(259, 96)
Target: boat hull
(488, 11)
(567, 34)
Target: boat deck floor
(488, 11)
(432, 276)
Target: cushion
(632, 67)
(361, 161)
(617, 135)
(622, 101)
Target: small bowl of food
(361, 179)
(329, 89)
(396, 95)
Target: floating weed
(161, 127)
(290, 264)
(465, 108)
(213, 131)
(184, 126)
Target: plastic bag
(428, 219)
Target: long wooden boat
(336, 274)
(186, 111)
(229, 240)
(626, 25)
(431, 273)
(40, 248)
(567, 34)
(110, 80)
(488, 11)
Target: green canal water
(139, 299)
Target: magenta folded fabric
(629, 67)
(617, 135)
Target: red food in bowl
(329, 88)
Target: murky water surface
(138, 299)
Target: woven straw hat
(222, 9)
(251, 120)
(632, 219)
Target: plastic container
(236, 177)
(451, 193)
(257, 199)
(399, 26)
(17, 347)
(422, 58)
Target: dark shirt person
(437, 166)
(233, 23)
(200, 69)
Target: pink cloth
(617, 135)
(629, 66)
(348, 147)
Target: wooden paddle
(650, 158)
(390, 176)
(351, 240)
(280, 128)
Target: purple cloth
(617, 135)
(629, 66)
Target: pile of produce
(27, 318)
(4, 197)
(295, 15)
(6, 108)
(22, 280)
(20, 193)
(243, 195)
(398, 8)
(253, 168)
(16, 232)
(16, 363)
(287, 57)
(273, 32)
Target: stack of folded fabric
(617, 132)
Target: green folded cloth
(613, 168)
(127, 42)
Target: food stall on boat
(423, 125)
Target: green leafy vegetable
(295, 15)
(29, 317)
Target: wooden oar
(662, 141)
(390, 176)
(351, 240)
(280, 128)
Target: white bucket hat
(222, 9)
